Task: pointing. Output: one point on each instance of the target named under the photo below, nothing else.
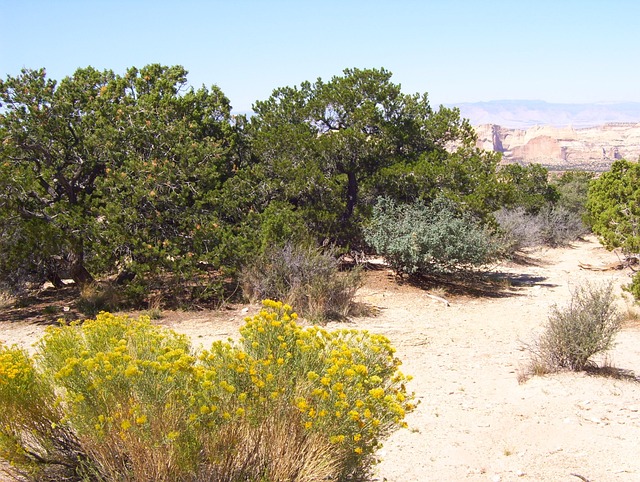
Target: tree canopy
(328, 149)
(614, 206)
(104, 173)
(140, 176)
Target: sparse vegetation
(6, 299)
(573, 334)
(550, 226)
(303, 276)
(96, 297)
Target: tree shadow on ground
(479, 284)
(44, 307)
(607, 371)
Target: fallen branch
(580, 477)
(608, 267)
(437, 298)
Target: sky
(564, 51)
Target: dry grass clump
(575, 333)
(97, 297)
(305, 277)
(6, 299)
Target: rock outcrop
(562, 148)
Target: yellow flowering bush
(133, 401)
(31, 428)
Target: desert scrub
(303, 276)
(421, 239)
(121, 399)
(575, 333)
(550, 226)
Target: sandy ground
(475, 421)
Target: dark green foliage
(303, 276)
(329, 149)
(419, 239)
(103, 174)
(140, 178)
(634, 286)
(573, 188)
(614, 206)
(614, 211)
(527, 187)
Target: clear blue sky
(569, 51)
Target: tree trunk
(352, 195)
(80, 275)
(54, 278)
(77, 271)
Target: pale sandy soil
(475, 421)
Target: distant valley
(559, 136)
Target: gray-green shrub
(437, 238)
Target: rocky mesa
(563, 148)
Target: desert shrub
(561, 226)
(634, 286)
(303, 276)
(575, 333)
(417, 238)
(518, 230)
(118, 399)
(6, 298)
(550, 226)
(96, 297)
(33, 438)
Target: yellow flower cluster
(129, 379)
(15, 367)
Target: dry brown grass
(271, 451)
(6, 300)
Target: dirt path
(475, 421)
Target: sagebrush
(418, 239)
(550, 226)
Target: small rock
(244, 310)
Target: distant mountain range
(527, 113)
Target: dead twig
(580, 477)
(437, 298)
